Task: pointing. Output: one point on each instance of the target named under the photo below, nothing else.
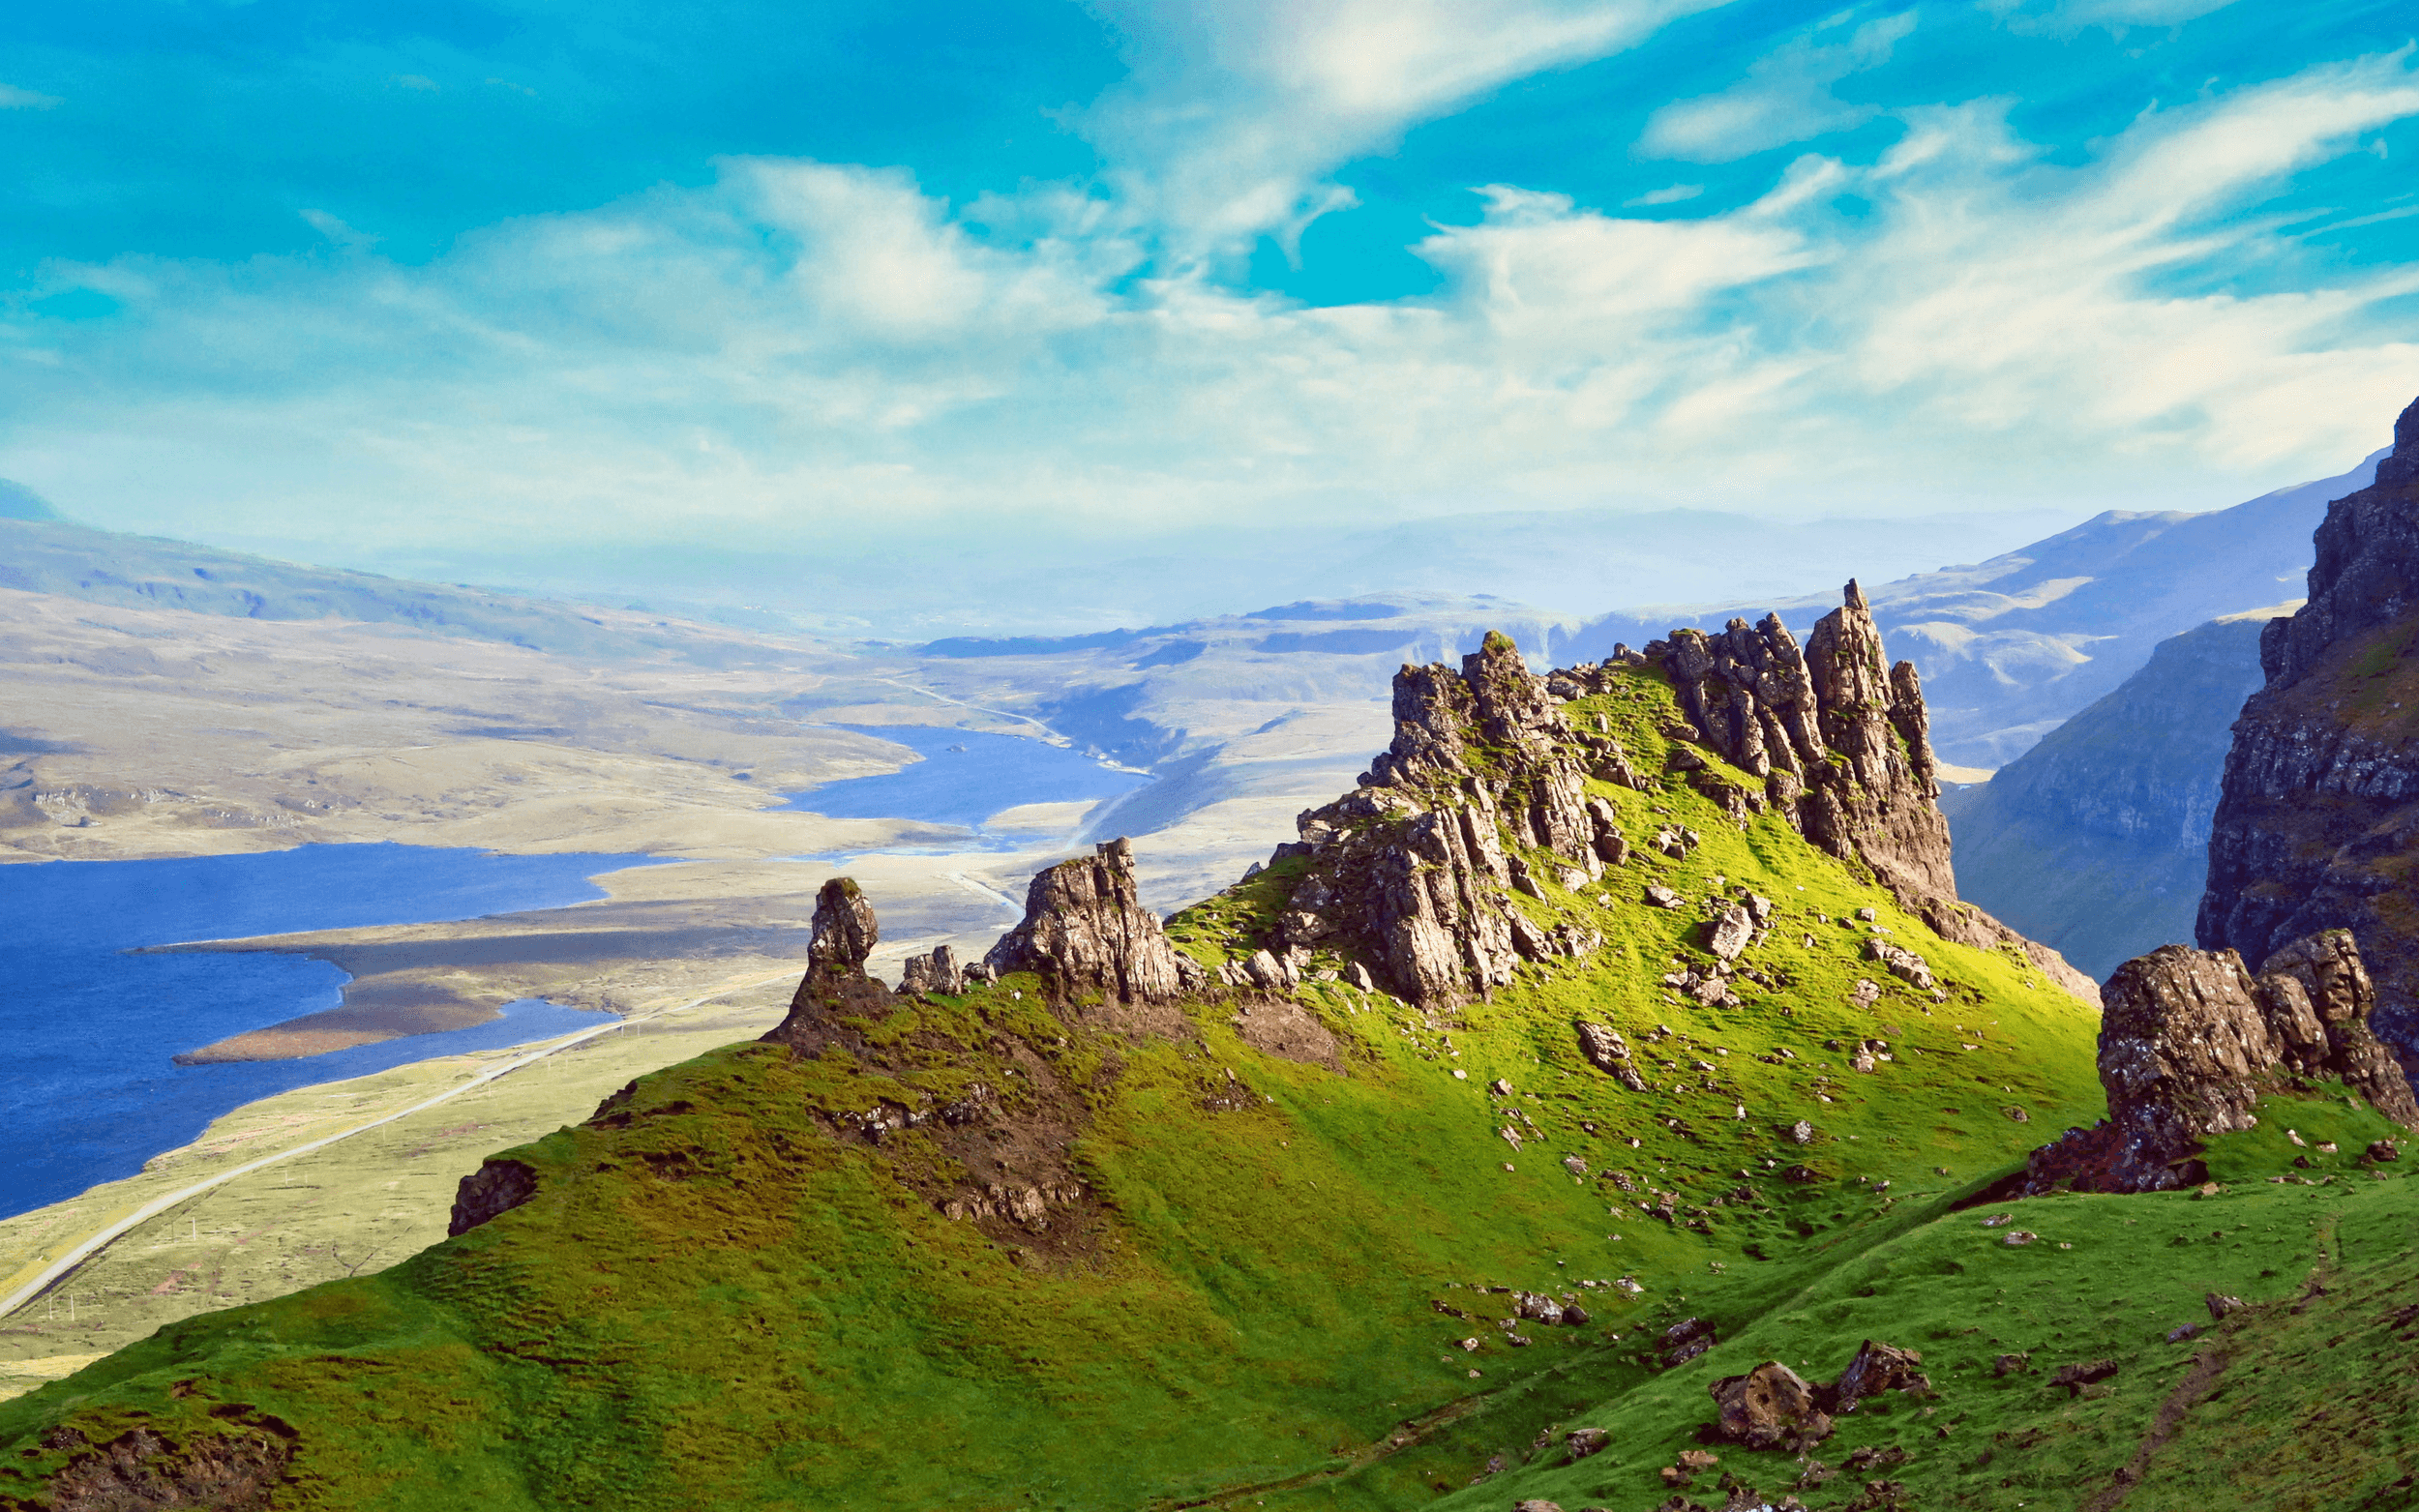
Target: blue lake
(88, 1090)
(964, 778)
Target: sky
(528, 289)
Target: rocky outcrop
(1841, 740)
(938, 972)
(2190, 1041)
(1412, 865)
(1771, 1407)
(835, 987)
(495, 1188)
(2317, 820)
(1483, 795)
(1087, 935)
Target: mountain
(2095, 840)
(41, 553)
(2011, 647)
(19, 502)
(2318, 811)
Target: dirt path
(2208, 1366)
(1404, 1435)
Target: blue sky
(424, 283)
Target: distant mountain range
(2095, 840)
(2011, 647)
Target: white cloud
(13, 98)
(1233, 112)
(1785, 97)
(816, 356)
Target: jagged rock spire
(1843, 743)
(845, 933)
(1085, 931)
(835, 987)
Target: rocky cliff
(2096, 842)
(2317, 820)
(1482, 794)
(2190, 1041)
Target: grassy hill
(725, 1293)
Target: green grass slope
(723, 1296)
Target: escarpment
(2318, 818)
(2190, 1041)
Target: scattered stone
(2294, 1135)
(1584, 1442)
(2382, 1151)
(2021, 1237)
(2010, 1364)
(1800, 1133)
(1686, 1339)
(1728, 935)
(2220, 1304)
(1875, 1457)
(1663, 896)
(2178, 1335)
(2074, 1378)
(1878, 1368)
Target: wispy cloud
(1233, 112)
(13, 98)
(811, 355)
(1785, 97)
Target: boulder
(2074, 1378)
(1686, 1339)
(1584, 1442)
(937, 973)
(1877, 1368)
(1769, 1407)
(1728, 934)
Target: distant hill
(41, 553)
(2095, 840)
(2010, 647)
(19, 502)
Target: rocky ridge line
(1412, 870)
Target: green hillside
(726, 1295)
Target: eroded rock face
(1087, 933)
(2318, 819)
(1841, 739)
(2190, 1041)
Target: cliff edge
(2318, 819)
